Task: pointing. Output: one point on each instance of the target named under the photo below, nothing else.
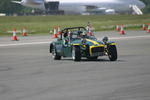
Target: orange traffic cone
(117, 28)
(90, 33)
(55, 33)
(144, 27)
(50, 31)
(24, 32)
(122, 32)
(14, 37)
(59, 31)
(148, 29)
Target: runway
(27, 71)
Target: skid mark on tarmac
(46, 42)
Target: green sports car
(75, 42)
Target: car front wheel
(112, 53)
(55, 55)
(76, 53)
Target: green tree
(6, 6)
(147, 2)
(147, 8)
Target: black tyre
(112, 53)
(50, 48)
(55, 55)
(76, 53)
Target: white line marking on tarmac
(19, 44)
(130, 37)
(46, 42)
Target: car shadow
(89, 60)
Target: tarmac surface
(28, 72)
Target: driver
(65, 34)
(83, 34)
(66, 38)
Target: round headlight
(84, 41)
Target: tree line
(9, 8)
(147, 8)
(6, 6)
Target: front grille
(97, 49)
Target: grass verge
(43, 24)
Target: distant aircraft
(85, 6)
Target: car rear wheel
(112, 53)
(55, 55)
(76, 53)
